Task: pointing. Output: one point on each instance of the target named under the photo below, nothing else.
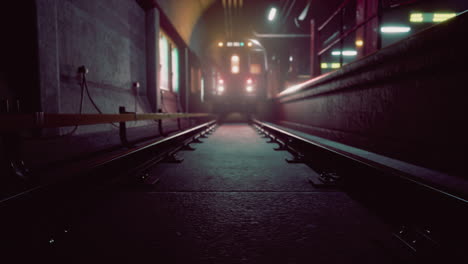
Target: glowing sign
(430, 17)
(440, 17)
(334, 65)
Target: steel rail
(117, 162)
(362, 161)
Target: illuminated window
(169, 71)
(163, 62)
(175, 69)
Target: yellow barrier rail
(15, 122)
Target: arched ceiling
(200, 23)
(184, 14)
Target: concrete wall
(407, 101)
(108, 37)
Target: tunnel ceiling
(202, 23)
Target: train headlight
(235, 69)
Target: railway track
(234, 199)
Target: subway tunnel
(233, 131)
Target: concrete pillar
(152, 58)
(48, 60)
(48, 55)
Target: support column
(152, 58)
(48, 55)
(48, 58)
(314, 49)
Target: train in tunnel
(240, 79)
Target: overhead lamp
(220, 44)
(344, 53)
(395, 29)
(359, 43)
(249, 44)
(272, 13)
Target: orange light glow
(220, 44)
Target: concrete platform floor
(233, 200)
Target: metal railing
(362, 18)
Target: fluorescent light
(395, 29)
(344, 53)
(235, 58)
(349, 53)
(229, 44)
(272, 14)
(249, 88)
(235, 69)
(220, 89)
(324, 65)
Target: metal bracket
(123, 129)
(187, 148)
(172, 158)
(329, 178)
(196, 140)
(296, 159)
(19, 169)
(281, 147)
